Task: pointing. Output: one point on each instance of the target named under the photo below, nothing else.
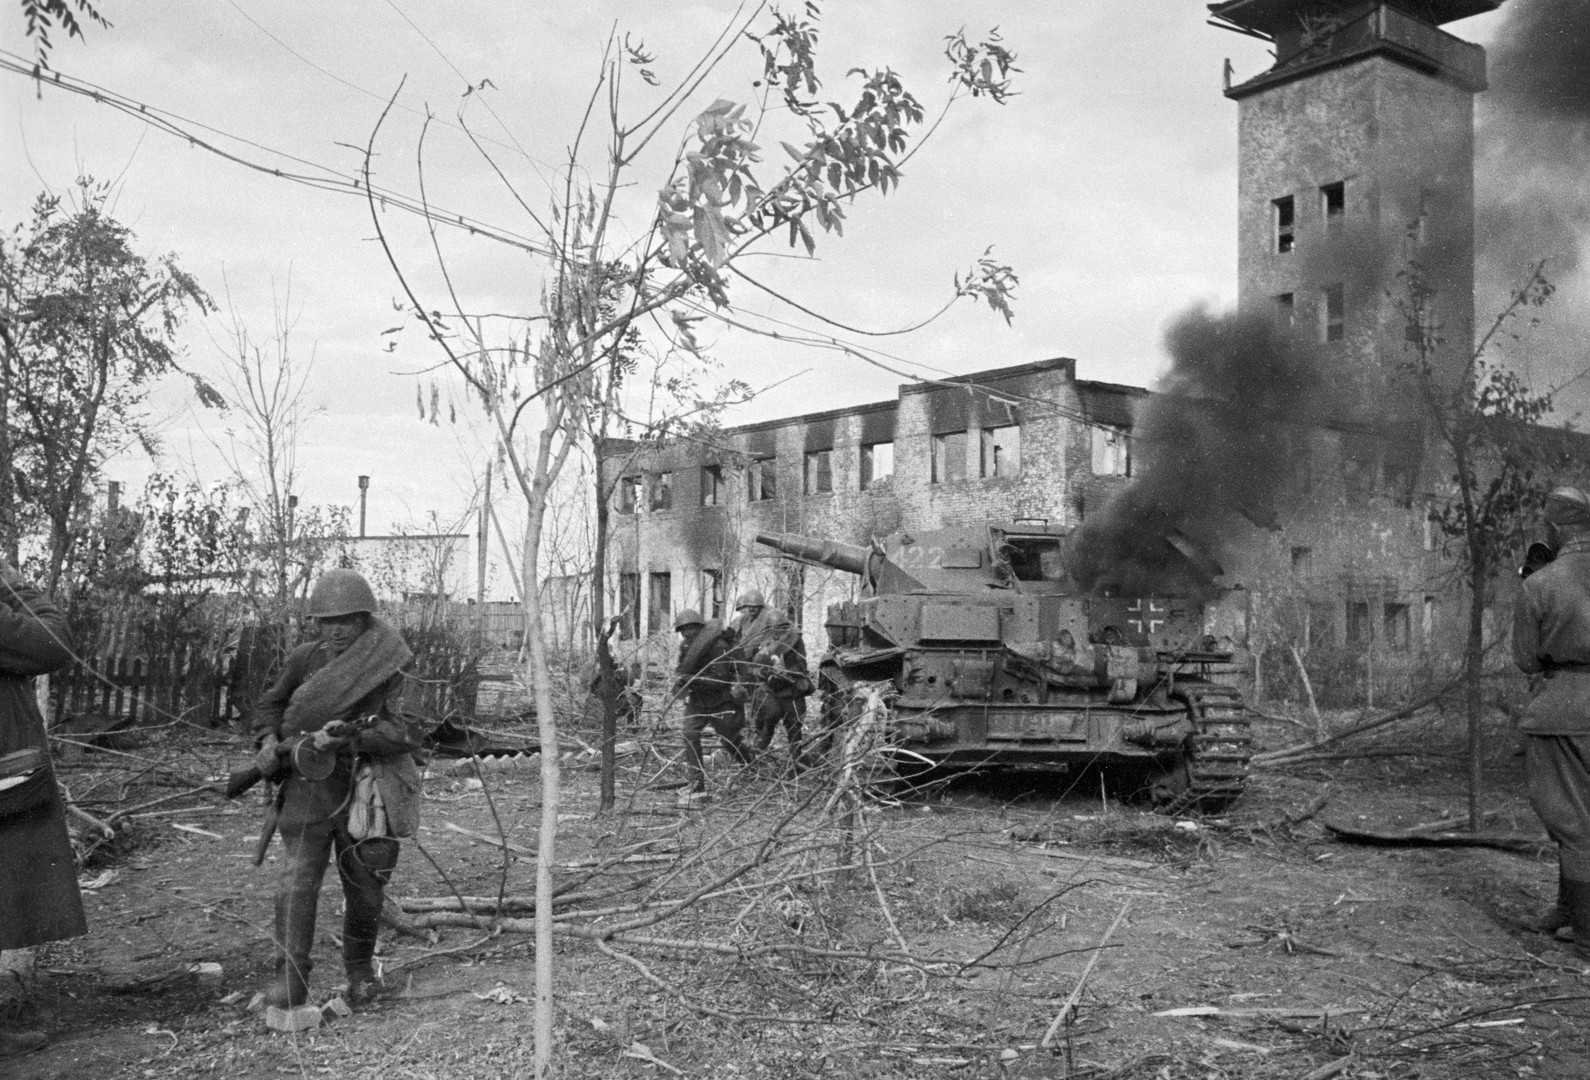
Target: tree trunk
(604, 653)
(1473, 655)
(547, 728)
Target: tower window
(1333, 206)
(1285, 310)
(1332, 313)
(1302, 561)
(1281, 222)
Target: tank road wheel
(1213, 767)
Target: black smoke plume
(1222, 436)
(1532, 180)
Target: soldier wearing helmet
(705, 678)
(1551, 636)
(332, 737)
(772, 663)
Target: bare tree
(1482, 418)
(550, 381)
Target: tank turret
(989, 654)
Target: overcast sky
(1109, 184)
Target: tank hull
(1183, 746)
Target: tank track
(1217, 753)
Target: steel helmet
(750, 598)
(340, 592)
(687, 617)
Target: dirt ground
(1251, 945)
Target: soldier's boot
(1577, 895)
(1555, 917)
(295, 936)
(367, 866)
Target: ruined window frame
(870, 452)
(949, 457)
(997, 458)
(626, 495)
(659, 600)
(712, 592)
(1111, 451)
(628, 605)
(660, 491)
(712, 485)
(761, 480)
(1396, 626)
(1359, 628)
(817, 472)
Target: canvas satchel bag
(367, 810)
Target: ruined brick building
(1355, 157)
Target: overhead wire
(317, 176)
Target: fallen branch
(104, 829)
(1271, 757)
(1066, 1008)
(1093, 857)
(1420, 838)
(495, 841)
(129, 811)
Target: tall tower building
(1355, 155)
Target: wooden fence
(218, 687)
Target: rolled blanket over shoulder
(332, 692)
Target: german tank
(980, 651)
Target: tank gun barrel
(846, 557)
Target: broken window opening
(660, 603)
(949, 457)
(1282, 228)
(877, 464)
(1001, 453)
(1333, 206)
(819, 472)
(662, 492)
(761, 480)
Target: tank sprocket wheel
(1213, 769)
